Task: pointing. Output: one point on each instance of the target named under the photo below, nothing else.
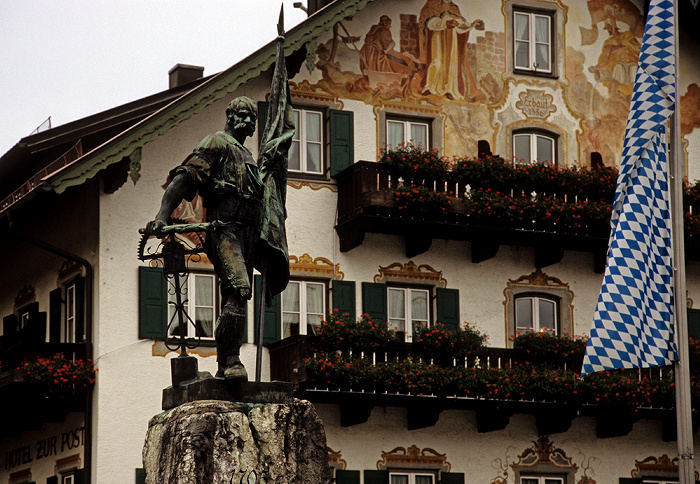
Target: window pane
(297, 132)
(290, 297)
(419, 135)
(522, 26)
(523, 313)
(545, 149)
(399, 479)
(313, 323)
(397, 304)
(290, 324)
(204, 291)
(424, 479)
(528, 480)
(394, 134)
(553, 480)
(547, 314)
(522, 55)
(204, 321)
(542, 57)
(314, 298)
(313, 126)
(419, 305)
(294, 156)
(521, 148)
(313, 157)
(542, 29)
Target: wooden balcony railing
(366, 203)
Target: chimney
(183, 73)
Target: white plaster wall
(479, 455)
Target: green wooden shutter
(263, 110)
(344, 297)
(52, 480)
(452, 478)
(35, 329)
(631, 480)
(447, 307)
(694, 323)
(341, 134)
(80, 309)
(273, 314)
(374, 300)
(376, 477)
(10, 325)
(347, 477)
(153, 303)
(140, 476)
(55, 313)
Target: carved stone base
(217, 441)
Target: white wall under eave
(480, 455)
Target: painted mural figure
(443, 34)
(378, 54)
(617, 62)
(245, 200)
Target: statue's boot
(229, 338)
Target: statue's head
(241, 115)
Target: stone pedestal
(211, 441)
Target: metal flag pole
(686, 463)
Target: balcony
(553, 413)
(27, 404)
(367, 204)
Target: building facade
(536, 82)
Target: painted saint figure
(617, 63)
(378, 53)
(443, 37)
(246, 201)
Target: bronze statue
(245, 204)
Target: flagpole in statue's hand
(263, 263)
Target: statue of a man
(246, 201)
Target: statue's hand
(155, 227)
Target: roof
(121, 131)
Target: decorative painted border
(410, 271)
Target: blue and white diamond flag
(633, 324)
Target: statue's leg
(229, 338)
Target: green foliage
(550, 350)
(441, 344)
(60, 373)
(415, 162)
(422, 202)
(340, 332)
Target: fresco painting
(434, 54)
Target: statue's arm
(178, 189)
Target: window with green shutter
(447, 307)
(341, 134)
(343, 293)
(153, 296)
(374, 300)
(273, 314)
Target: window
(532, 41)
(199, 296)
(660, 481)
(413, 132)
(303, 307)
(407, 310)
(536, 313)
(534, 147)
(306, 153)
(68, 478)
(417, 477)
(69, 327)
(541, 480)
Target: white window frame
(542, 479)
(533, 137)
(23, 318)
(301, 141)
(532, 41)
(303, 313)
(659, 481)
(407, 125)
(396, 322)
(189, 287)
(412, 475)
(68, 478)
(536, 298)
(70, 321)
